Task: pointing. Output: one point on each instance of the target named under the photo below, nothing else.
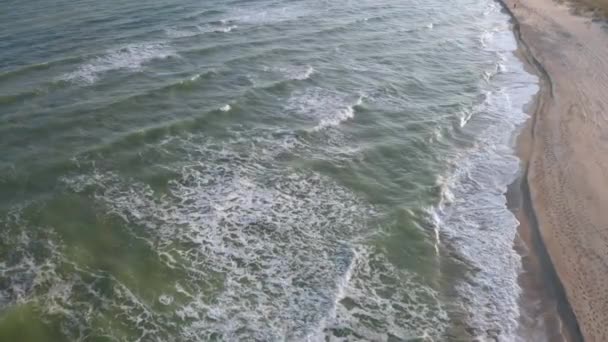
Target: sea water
(258, 170)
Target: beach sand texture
(593, 5)
(568, 170)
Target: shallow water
(258, 170)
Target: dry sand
(567, 172)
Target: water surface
(258, 170)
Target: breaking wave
(292, 242)
(472, 215)
(198, 30)
(327, 108)
(132, 57)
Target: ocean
(259, 170)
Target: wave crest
(132, 57)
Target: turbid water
(258, 170)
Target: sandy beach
(567, 169)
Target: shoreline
(558, 272)
(545, 312)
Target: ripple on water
(247, 245)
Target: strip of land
(568, 164)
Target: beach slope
(568, 169)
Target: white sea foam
(486, 37)
(370, 295)
(266, 252)
(478, 222)
(327, 108)
(255, 16)
(192, 31)
(38, 272)
(491, 8)
(294, 72)
(501, 64)
(338, 117)
(298, 73)
(291, 242)
(472, 215)
(22, 273)
(132, 57)
(165, 299)
(192, 79)
(226, 29)
(466, 114)
(226, 108)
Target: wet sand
(567, 169)
(545, 312)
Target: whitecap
(226, 108)
(132, 57)
(225, 29)
(192, 31)
(486, 37)
(298, 73)
(328, 108)
(501, 67)
(294, 72)
(338, 117)
(165, 299)
(491, 8)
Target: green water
(258, 170)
